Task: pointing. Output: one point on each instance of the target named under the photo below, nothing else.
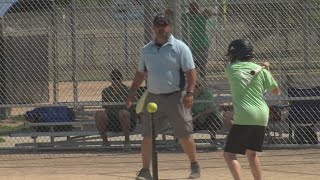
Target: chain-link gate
(57, 57)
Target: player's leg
(233, 165)
(235, 144)
(255, 164)
(101, 120)
(124, 118)
(255, 144)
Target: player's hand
(266, 65)
(188, 101)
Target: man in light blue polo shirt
(165, 62)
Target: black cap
(161, 19)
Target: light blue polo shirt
(166, 65)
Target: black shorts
(243, 137)
(114, 124)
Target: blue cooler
(51, 114)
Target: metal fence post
(4, 112)
(148, 17)
(305, 29)
(177, 18)
(54, 44)
(74, 64)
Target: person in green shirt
(251, 112)
(195, 35)
(206, 115)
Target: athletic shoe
(195, 171)
(144, 174)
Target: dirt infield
(277, 164)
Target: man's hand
(188, 101)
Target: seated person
(206, 115)
(115, 118)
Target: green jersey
(195, 30)
(247, 92)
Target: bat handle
(256, 71)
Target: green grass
(18, 118)
(7, 129)
(2, 140)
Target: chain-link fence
(57, 56)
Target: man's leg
(146, 151)
(101, 120)
(255, 164)
(124, 118)
(189, 147)
(233, 164)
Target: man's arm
(191, 79)
(139, 77)
(191, 82)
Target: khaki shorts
(170, 112)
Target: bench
(83, 132)
(77, 130)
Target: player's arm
(270, 81)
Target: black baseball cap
(161, 19)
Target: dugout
(24, 54)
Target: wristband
(189, 93)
